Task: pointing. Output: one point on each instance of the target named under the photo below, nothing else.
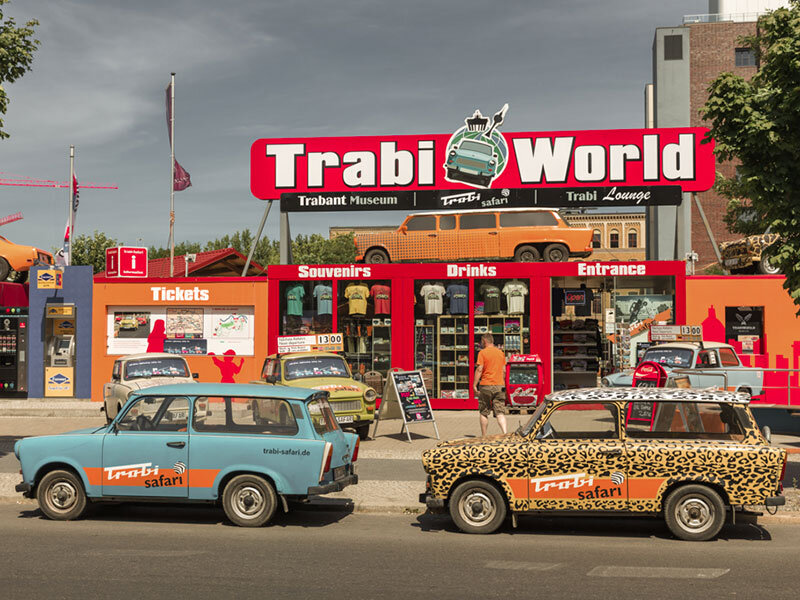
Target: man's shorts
(491, 399)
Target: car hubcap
(527, 257)
(63, 495)
(695, 514)
(248, 502)
(477, 508)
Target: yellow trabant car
(690, 456)
(352, 402)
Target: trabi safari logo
(477, 153)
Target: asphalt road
(154, 551)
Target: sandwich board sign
(406, 398)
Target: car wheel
(249, 501)
(363, 432)
(746, 390)
(526, 254)
(5, 268)
(476, 506)
(556, 253)
(765, 267)
(61, 496)
(18, 276)
(694, 513)
(376, 256)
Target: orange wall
(249, 291)
(781, 324)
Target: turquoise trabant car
(157, 448)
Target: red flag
(181, 179)
(75, 202)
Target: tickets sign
(323, 342)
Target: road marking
(511, 565)
(657, 572)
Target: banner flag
(182, 179)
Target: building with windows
(686, 58)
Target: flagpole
(172, 175)
(70, 187)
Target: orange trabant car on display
(520, 234)
(19, 259)
(690, 456)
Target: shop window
(478, 221)
(613, 239)
(528, 219)
(745, 57)
(421, 224)
(596, 238)
(447, 222)
(633, 238)
(502, 310)
(577, 343)
(364, 319)
(441, 335)
(306, 307)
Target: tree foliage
(17, 46)
(758, 123)
(91, 250)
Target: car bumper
(431, 502)
(25, 488)
(580, 254)
(775, 501)
(334, 486)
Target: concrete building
(686, 58)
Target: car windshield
(315, 366)
(156, 367)
(475, 147)
(528, 427)
(523, 374)
(670, 357)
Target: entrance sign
(405, 397)
(326, 173)
(676, 333)
(323, 342)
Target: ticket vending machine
(59, 350)
(13, 352)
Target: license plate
(339, 472)
(177, 415)
(731, 261)
(345, 419)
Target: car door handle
(176, 444)
(492, 233)
(611, 452)
(431, 235)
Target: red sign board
(484, 159)
(126, 261)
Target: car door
(478, 237)
(146, 452)
(418, 238)
(712, 376)
(447, 243)
(577, 459)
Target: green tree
(758, 123)
(91, 250)
(315, 249)
(17, 46)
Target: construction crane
(32, 182)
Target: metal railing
(724, 375)
(723, 18)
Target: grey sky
(299, 68)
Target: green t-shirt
(294, 300)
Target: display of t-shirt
(381, 295)
(515, 292)
(433, 294)
(491, 298)
(357, 294)
(459, 299)
(324, 297)
(294, 300)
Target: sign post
(406, 398)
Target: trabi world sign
(480, 156)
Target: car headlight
(604, 382)
(493, 162)
(370, 395)
(452, 152)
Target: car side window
(707, 359)
(728, 358)
(528, 219)
(582, 420)
(447, 222)
(256, 416)
(683, 420)
(421, 224)
(156, 413)
(478, 221)
(269, 369)
(115, 371)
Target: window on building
(613, 239)
(633, 238)
(745, 57)
(596, 238)
(673, 47)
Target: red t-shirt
(380, 293)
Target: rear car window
(421, 224)
(156, 367)
(478, 221)
(727, 358)
(247, 415)
(684, 420)
(528, 219)
(322, 417)
(670, 357)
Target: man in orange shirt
(489, 377)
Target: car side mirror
(195, 375)
(271, 379)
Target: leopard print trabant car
(742, 255)
(641, 470)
